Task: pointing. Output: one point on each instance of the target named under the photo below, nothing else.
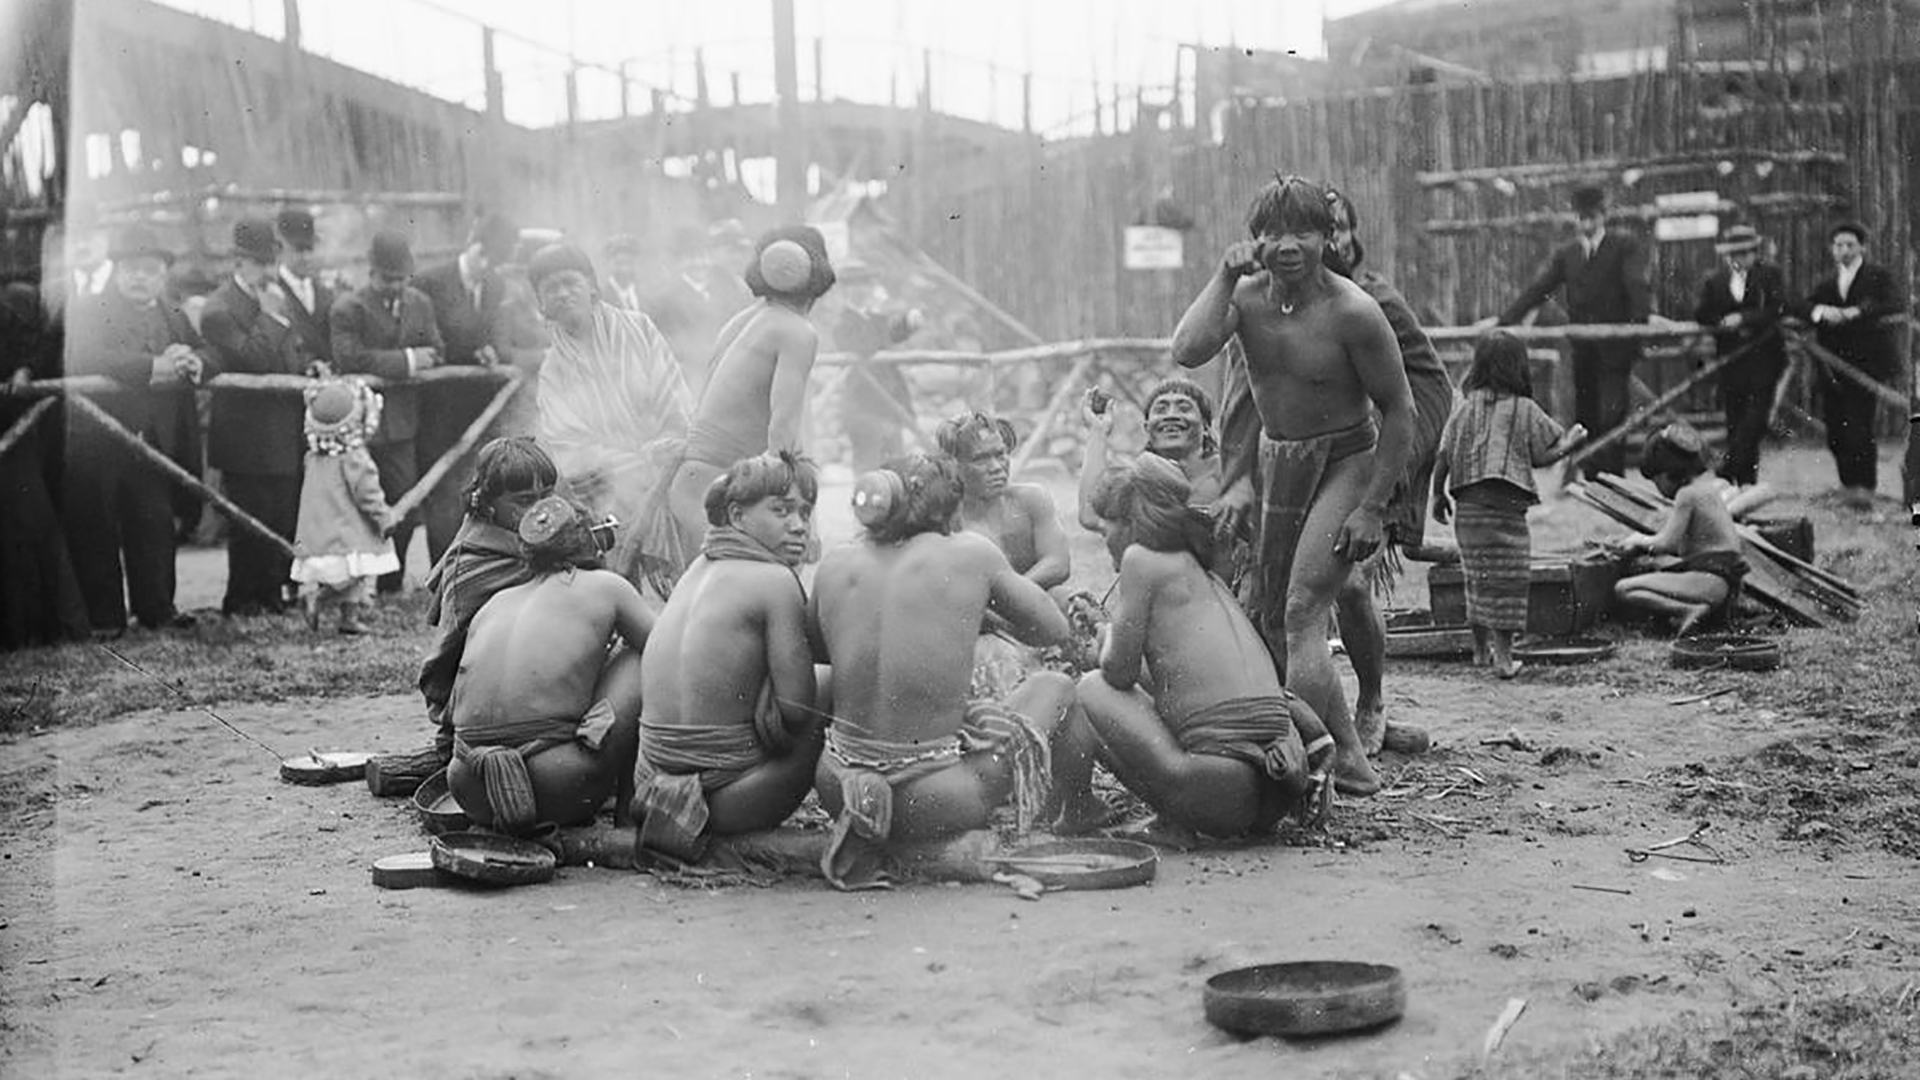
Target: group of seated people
(557, 686)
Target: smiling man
(1320, 356)
(1020, 519)
(1179, 418)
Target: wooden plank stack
(1805, 594)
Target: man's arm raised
(1212, 319)
(1126, 642)
(1375, 355)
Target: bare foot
(1160, 832)
(1353, 774)
(1692, 618)
(1370, 723)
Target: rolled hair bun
(786, 267)
(716, 500)
(879, 498)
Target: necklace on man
(1286, 306)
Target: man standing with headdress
(1743, 302)
(1602, 274)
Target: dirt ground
(172, 909)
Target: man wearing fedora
(310, 298)
(386, 328)
(254, 436)
(467, 293)
(1603, 277)
(1743, 301)
(1848, 310)
(120, 527)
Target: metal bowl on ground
(439, 811)
(1307, 997)
(493, 859)
(324, 767)
(1577, 649)
(1085, 863)
(1741, 652)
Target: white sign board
(1690, 227)
(1683, 201)
(1153, 247)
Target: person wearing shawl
(908, 755)
(1206, 735)
(545, 721)
(613, 407)
(730, 734)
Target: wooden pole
(1062, 394)
(25, 424)
(1674, 393)
(79, 404)
(417, 494)
(790, 180)
(1855, 375)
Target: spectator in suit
(254, 438)
(120, 528)
(467, 293)
(386, 328)
(1743, 302)
(1847, 310)
(1602, 276)
(311, 297)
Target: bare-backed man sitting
(1205, 734)
(545, 725)
(909, 756)
(729, 736)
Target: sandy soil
(172, 909)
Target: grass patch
(220, 661)
(1870, 1035)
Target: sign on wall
(1153, 247)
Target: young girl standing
(1489, 448)
(340, 543)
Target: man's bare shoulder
(967, 547)
(600, 583)
(1152, 567)
(1032, 498)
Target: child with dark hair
(1699, 530)
(729, 729)
(340, 544)
(1489, 448)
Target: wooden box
(1565, 596)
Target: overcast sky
(872, 48)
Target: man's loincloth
(868, 770)
(1259, 731)
(1291, 474)
(500, 754)
(677, 766)
(1728, 566)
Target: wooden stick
(416, 495)
(26, 423)
(79, 404)
(1497, 1034)
(1855, 375)
(1640, 415)
(899, 410)
(1603, 888)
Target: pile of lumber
(1802, 592)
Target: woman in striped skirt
(1494, 440)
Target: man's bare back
(1197, 646)
(718, 640)
(535, 651)
(900, 621)
(756, 389)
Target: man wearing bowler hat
(1602, 275)
(386, 328)
(1743, 301)
(120, 527)
(254, 436)
(310, 298)
(467, 292)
